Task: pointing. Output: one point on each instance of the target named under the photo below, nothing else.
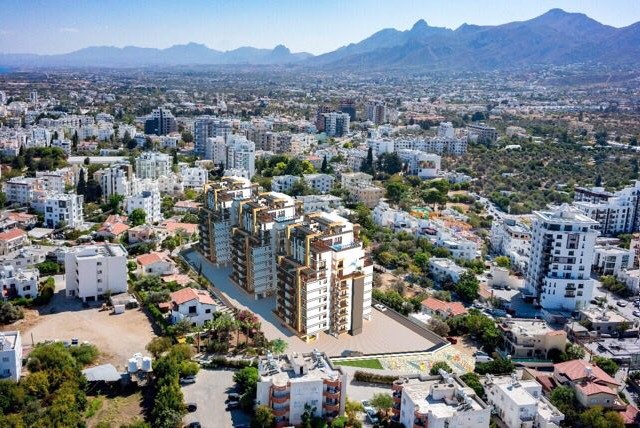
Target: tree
(278, 346)
(324, 166)
(573, 352)
(3, 199)
(351, 409)
(81, 189)
(382, 402)
(564, 398)
(187, 137)
(158, 346)
(396, 189)
(115, 202)
(307, 415)
(496, 367)
(87, 161)
(246, 379)
(473, 381)
(439, 327)
(263, 417)
(390, 163)
(435, 368)
(48, 268)
(10, 313)
(606, 364)
(598, 182)
(74, 140)
(595, 417)
(503, 262)
(137, 217)
(468, 286)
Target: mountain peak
(420, 24)
(281, 49)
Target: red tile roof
(12, 234)
(114, 228)
(179, 278)
(592, 388)
(631, 415)
(115, 218)
(174, 226)
(576, 369)
(187, 294)
(453, 308)
(151, 258)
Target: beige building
(531, 338)
(12, 240)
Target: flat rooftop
(526, 327)
(295, 367)
(421, 391)
(104, 250)
(8, 340)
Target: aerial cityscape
(417, 214)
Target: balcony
(282, 411)
(331, 394)
(332, 383)
(331, 407)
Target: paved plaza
(380, 335)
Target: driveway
(210, 393)
(382, 334)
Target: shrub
(10, 313)
(367, 377)
(495, 367)
(435, 368)
(84, 354)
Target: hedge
(217, 362)
(361, 376)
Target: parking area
(117, 337)
(382, 334)
(209, 393)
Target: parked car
(483, 359)
(621, 303)
(233, 396)
(366, 406)
(192, 407)
(194, 424)
(636, 313)
(187, 380)
(452, 340)
(380, 307)
(372, 417)
(231, 405)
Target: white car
(636, 313)
(380, 307)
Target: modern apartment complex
(220, 213)
(441, 401)
(562, 245)
(376, 112)
(94, 270)
(336, 124)
(259, 238)
(324, 277)
(63, 209)
(206, 127)
(153, 165)
(160, 122)
(617, 212)
(10, 355)
(482, 133)
(115, 180)
(241, 154)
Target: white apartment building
(610, 260)
(193, 178)
(93, 270)
(324, 278)
(442, 269)
(115, 180)
(336, 124)
(284, 183)
(442, 401)
(241, 154)
(63, 144)
(215, 149)
(20, 190)
(259, 238)
(170, 184)
(63, 208)
(287, 383)
(10, 355)
(320, 183)
(521, 404)
(512, 238)
(18, 282)
(313, 203)
(616, 212)
(148, 200)
(562, 245)
(630, 278)
(220, 214)
(351, 180)
(153, 165)
(459, 247)
(421, 164)
(206, 127)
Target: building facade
(95, 270)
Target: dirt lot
(115, 411)
(117, 337)
(388, 282)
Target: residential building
(155, 264)
(348, 105)
(313, 203)
(193, 178)
(531, 339)
(95, 270)
(153, 165)
(18, 282)
(284, 183)
(617, 212)
(441, 401)
(592, 386)
(259, 238)
(319, 183)
(10, 355)
(610, 260)
(21, 190)
(160, 122)
(376, 112)
(25, 257)
(512, 238)
(195, 306)
(206, 127)
(630, 278)
(12, 240)
(288, 383)
(421, 164)
(443, 269)
(149, 201)
(324, 277)
(63, 209)
(241, 154)
(360, 187)
(458, 246)
(22, 220)
(114, 227)
(482, 133)
(115, 179)
(520, 403)
(220, 214)
(336, 124)
(442, 309)
(562, 244)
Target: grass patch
(93, 406)
(372, 363)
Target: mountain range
(556, 37)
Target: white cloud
(68, 30)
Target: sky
(316, 26)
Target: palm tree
(278, 346)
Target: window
(192, 309)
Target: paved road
(209, 393)
(381, 334)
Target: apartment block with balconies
(259, 238)
(324, 277)
(220, 214)
(287, 383)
